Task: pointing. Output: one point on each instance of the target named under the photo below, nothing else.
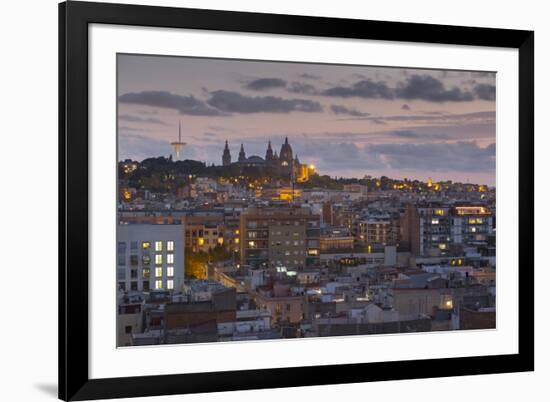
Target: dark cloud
(485, 91)
(302, 88)
(415, 87)
(188, 105)
(234, 102)
(261, 84)
(378, 121)
(464, 156)
(361, 89)
(309, 76)
(428, 88)
(404, 134)
(446, 118)
(347, 155)
(405, 107)
(137, 119)
(339, 109)
(458, 132)
(419, 134)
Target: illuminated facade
(285, 193)
(434, 228)
(203, 232)
(472, 224)
(150, 257)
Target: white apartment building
(150, 257)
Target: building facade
(433, 229)
(280, 236)
(150, 257)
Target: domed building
(253, 161)
(285, 163)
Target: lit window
(201, 241)
(145, 245)
(158, 259)
(170, 245)
(158, 284)
(170, 284)
(158, 246)
(314, 252)
(442, 246)
(158, 272)
(170, 271)
(435, 221)
(170, 258)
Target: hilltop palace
(285, 163)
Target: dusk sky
(348, 121)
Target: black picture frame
(74, 18)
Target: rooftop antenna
(178, 145)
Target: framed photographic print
(258, 200)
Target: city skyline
(348, 121)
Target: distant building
(226, 157)
(410, 302)
(286, 163)
(283, 305)
(203, 232)
(220, 308)
(150, 257)
(270, 159)
(130, 320)
(242, 155)
(432, 229)
(280, 236)
(471, 224)
(335, 239)
(482, 318)
(376, 229)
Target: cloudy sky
(347, 120)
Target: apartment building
(285, 235)
(150, 257)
